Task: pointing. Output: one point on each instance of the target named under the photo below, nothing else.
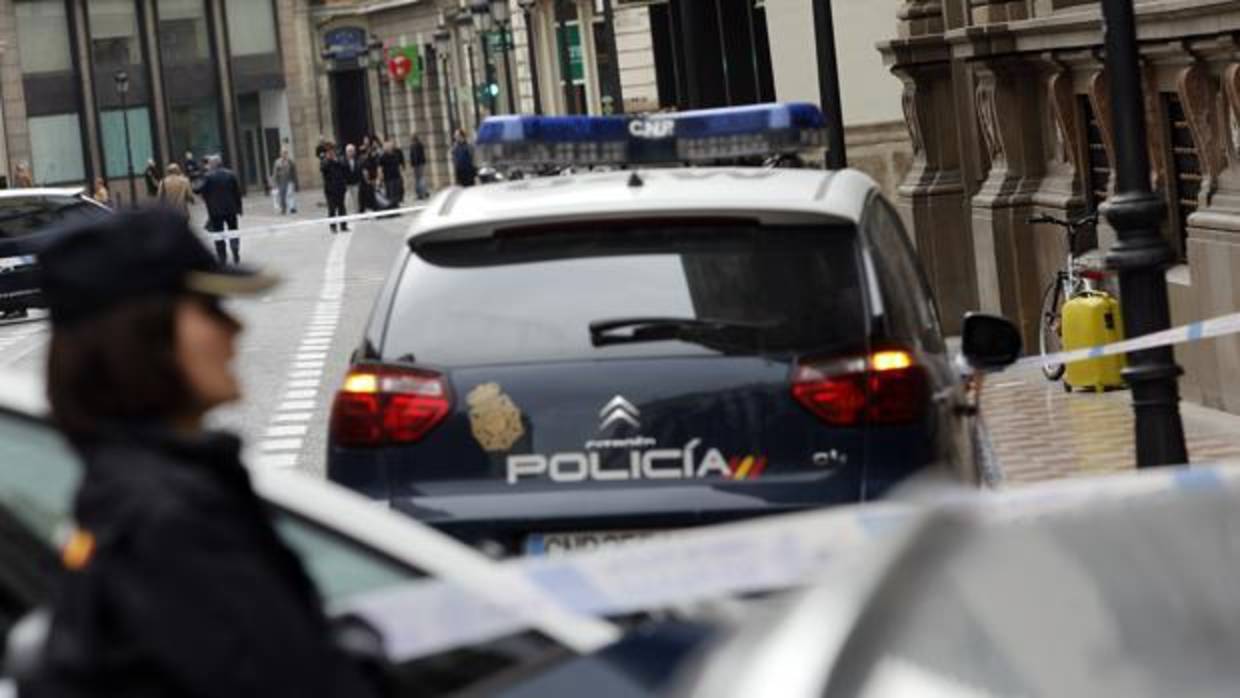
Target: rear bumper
(507, 518)
(19, 288)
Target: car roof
(34, 192)
(716, 191)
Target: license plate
(10, 263)
(576, 541)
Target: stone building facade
(1007, 106)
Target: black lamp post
(609, 28)
(503, 19)
(464, 21)
(375, 48)
(526, 7)
(122, 88)
(483, 24)
(829, 84)
(443, 48)
(1141, 255)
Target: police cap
(89, 267)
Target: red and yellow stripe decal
(747, 468)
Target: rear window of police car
(531, 296)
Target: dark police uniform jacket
(187, 591)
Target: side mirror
(989, 342)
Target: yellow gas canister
(1089, 320)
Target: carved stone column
(1211, 98)
(932, 197)
(1008, 115)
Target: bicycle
(1072, 281)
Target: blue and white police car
(563, 362)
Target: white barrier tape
(697, 565)
(338, 220)
(1205, 329)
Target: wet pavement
(1040, 432)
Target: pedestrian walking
(463, 160)
(392, 164)
(353, 178)
(101, 193)
(175, 191)
(335, 186)
(191, 168)
(152, 176)
(417, 160)
(175, 581)
(284, 181)
(22, 178)
(367, 192)
(221, 192)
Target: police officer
(176, 582)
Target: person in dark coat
(221, 192)
(175, 580)
(392, 162)
(367, 201)
(335, 186)
(463, 160)
(417, 160)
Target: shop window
(51, 89)
(190, 85)
(56, 149)
(1185, 169)
(112, 125)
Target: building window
(52, 91)
(115, 46)
(251, 27)
(1185, 171)
(190, 85)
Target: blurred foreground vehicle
(348, 546)
(24, 215)
(564, 362)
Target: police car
(565, 362)
(24, 213)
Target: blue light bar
(755, 131)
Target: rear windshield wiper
(714, 333)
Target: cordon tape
(694, 566)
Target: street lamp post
(443, 47)
(526, 7)
(829, 84)
(503, 19)
(464, 21)
(122, 88)
(484, 23)
(1141, 255)
(376, 57)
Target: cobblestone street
(1041, 432)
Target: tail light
(381, 405)
(886, 387)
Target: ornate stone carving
(1063, 110)
(1100, 101)
(1197, 94)
(911, 118)
(988, 121)
(1155, 134)
(1231, 91)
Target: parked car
(25, 214)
